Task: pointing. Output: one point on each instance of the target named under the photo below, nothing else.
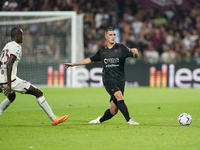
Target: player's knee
(12, 96)
(118, 95)
(39, 93)
(34, 91)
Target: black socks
(122, 107)
(124, 110)
(107, 115)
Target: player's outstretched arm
(78, 63)
(134, 51)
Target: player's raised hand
(67, 65)
(134, 51)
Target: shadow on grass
(83, 123)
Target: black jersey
(113, 60)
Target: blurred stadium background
(166, 33)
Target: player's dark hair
(14, 32)
(109, 29)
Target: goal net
(50, 39)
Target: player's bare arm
(78, 63)
(134, 51)
(9, 70)
(0, 88)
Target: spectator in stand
(10, 6)
(136, 25)
(113, 18)
(58, 4)
(173, 25)
(188, 41)
(194, 35)
(113, 11)
(170, 13)
(159, 20)
(92, 47)
(55, 8)
(195, 46)
(193, 13)
(88, 8)
(157, 40)
(170, 37)
(100, 16)
(88, 22)
(52, 48)
(127, 35)
(105, 23)
(173, 22)
(164, 33)
(150, 54)
(99, 35)
(127, 16)
(180, 29)
(177, 37)
(30, 5)
(128, 5)
(62, 5)
(28, 53)
(168, 55)
(197, 55)
(46, 6)
(146, 31)
(198, 25)
(184, 53)
(65, 6)
(139, 43)
(177, 50)
(187, 23)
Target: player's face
(110, 37)
(20, 37)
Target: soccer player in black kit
(113, 56)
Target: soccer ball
(184, 119)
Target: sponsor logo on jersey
(17, 52)
(2, 72)
(104, 53)
(111, 60)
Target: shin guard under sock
(107, 115)
(124, 110)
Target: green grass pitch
(24, 125)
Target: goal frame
(73, 15)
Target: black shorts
(112, 87)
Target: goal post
(59, 29)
